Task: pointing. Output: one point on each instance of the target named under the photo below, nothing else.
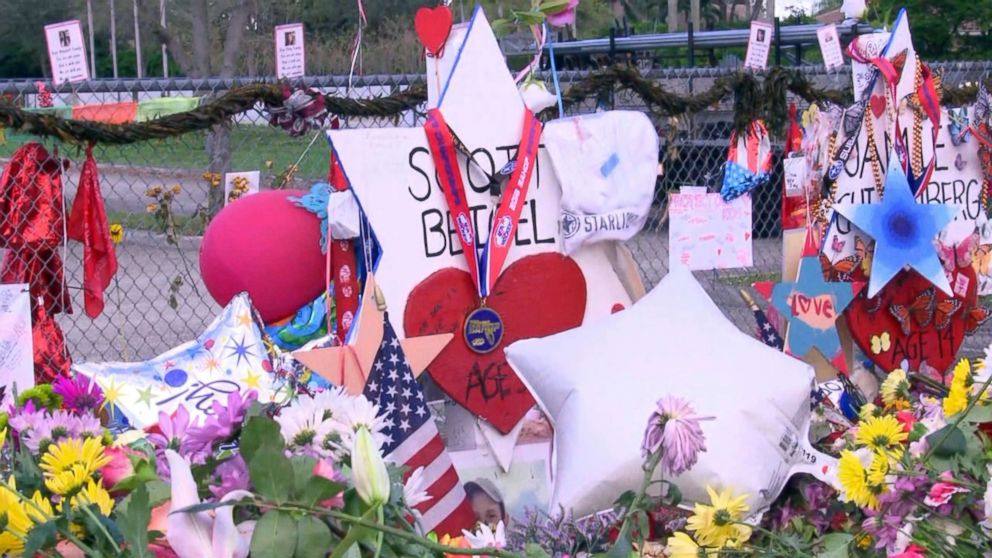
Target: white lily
(203, 534)
(414, 492)
(536, 96)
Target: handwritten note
(290, 54)
(758, 45)
(67, 52)
(833, 57)
(706, 232)
(16, 360)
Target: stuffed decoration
(749, 161)
(607, 164)
(599, 384)
(268, 247)
(88, 224)
(31, 232)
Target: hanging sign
(833, 57)
(67, 52)
(758, 45)
(706, 232)
(290, 54)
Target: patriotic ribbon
(738, 180)
(485, 267)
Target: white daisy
(358, 411)
(304, 427)
(485, 537)
(414, 491)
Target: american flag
(412, 438)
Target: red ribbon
(88, 224)
(342, 263)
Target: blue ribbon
(738, 180)
(316, 202)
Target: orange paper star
(350, 364)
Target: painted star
(241, 350)
(211, 364)
(244, 319)
(251, 379)
(811, 306)
(903, 231)
(112, 393)
(144, 396)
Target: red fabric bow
(88, 224)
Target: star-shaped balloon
(811, 306)
(903, 231)
(349, 365)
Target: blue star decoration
(241, 350)
(903, 231)
(811, 306)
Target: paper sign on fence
(833, 57)
(290, 55)
(758, 45)
(16, 350)
(67, 52)
(706, 232)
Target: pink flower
(119, 468)
(912, 551)
(80, 394)
(674, 429)
(325, 468)
(565, 16)
(942, 491)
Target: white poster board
(67, 52)
(830, 49)
(758, 45)
(290, 54)
(705, 232)
(16, 346)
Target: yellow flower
(153, 192)
(94, 494)
(883, 435)
(19, 518)
(70, 463)
(867, 411)
(151, 208)
(176, 188)
(895, 390)
(719, 523)
(859, 485)
(681, 545)
(116, 233)
(957, 395)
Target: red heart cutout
(433, 26)
(877, 103)
(536, 296)
(869, 319)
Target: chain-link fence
(160, 192)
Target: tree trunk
(201, 39)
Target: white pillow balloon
(600, 383)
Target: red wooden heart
(433, 26)
(536, 296)
(870, 319)
(877, 103)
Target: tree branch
(232, 38)
(175, 49)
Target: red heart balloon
(936, 327)
(536, 296)
(877, 103)
(433, 26)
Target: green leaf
(302, 471)
(319, 489)
(313, 538)
(272, 474)
(355, 533)
(133, 515)
(674, 495)
(947, 441)
(621, 549)
(205, 506)
(158, 493)
(531, 17)
(553, 6)
(534, 550)
(259, 432)
(42, 536)
(144, 472)
(835, 545)
(275, 536)
(979, 414)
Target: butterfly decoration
(960, 130)
(881, 343)
(976, 318)
(920, 310)
(943, 310)
(960, 254)
(842, 270)
(983, 103)
(982, 258)
(959, 162)
(865, 253)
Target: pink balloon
(264, 244)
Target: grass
(252, 148)
(746, 279)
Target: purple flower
(223, 423)
(171, 434)
(674, 429)
(79, 394)
(36, 429)
(232, 474)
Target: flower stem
(649, 469)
